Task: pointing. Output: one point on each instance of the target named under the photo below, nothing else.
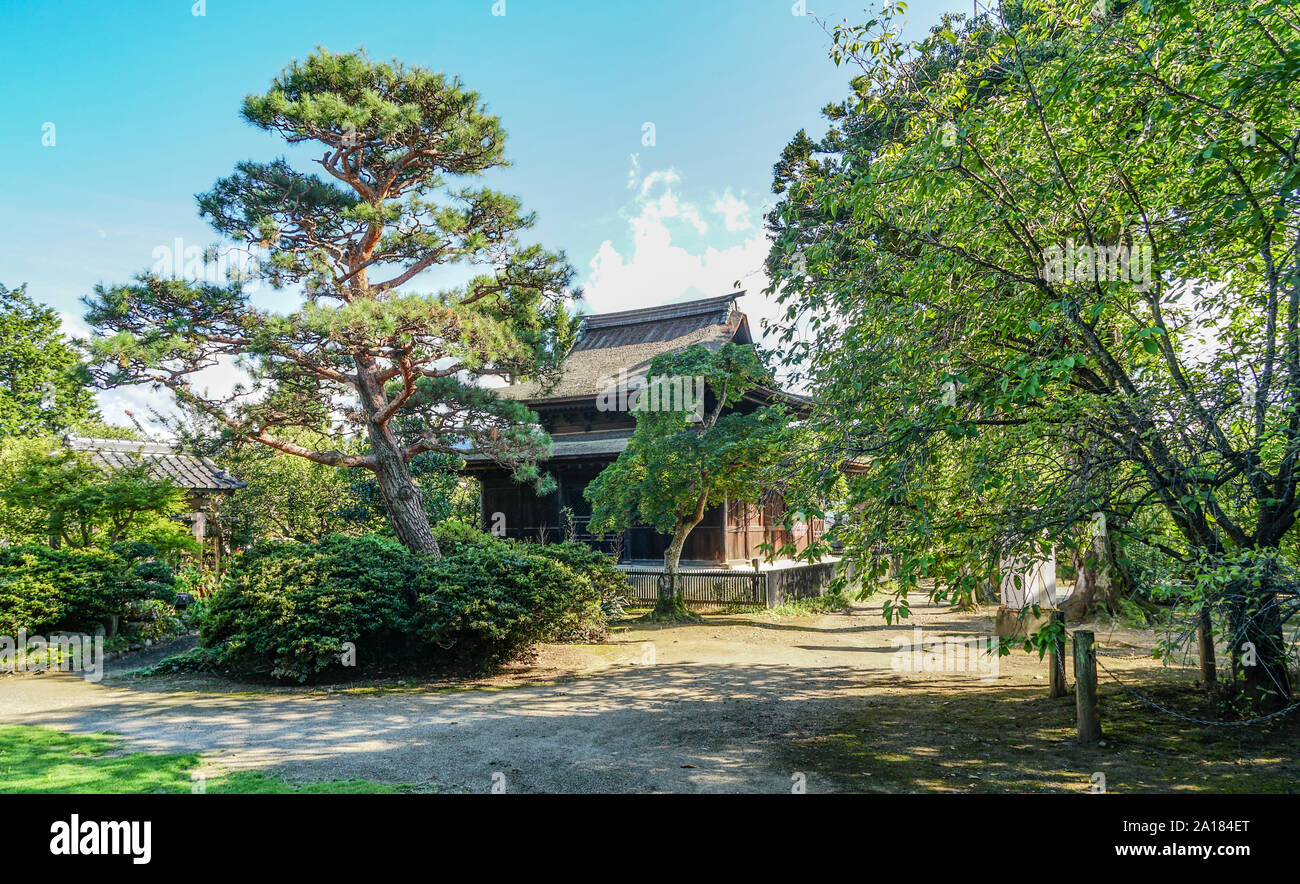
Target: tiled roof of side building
(164, 461)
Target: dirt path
(737, 704)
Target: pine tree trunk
(401, 498)
(402, 501)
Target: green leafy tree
(286, 498)
(1050, 280)
(675, 466)
(42, 381)
(50, 494)
(395, 368)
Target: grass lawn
(40, 759)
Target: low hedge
(44, 589)
(288, 610)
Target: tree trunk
(1099, 578)
(1258, 647)
(401, 498)
(671, 602)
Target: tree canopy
(679, 462)
(1042, 274)
(43, 385)
(363, 353)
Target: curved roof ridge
(665, 311)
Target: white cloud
(734, 211)
(658, 267)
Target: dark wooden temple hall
(587, 435)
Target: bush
(489, 604)
(154, 572)
(453, 537)
(153, 620)
(42, 588)
(133, 550)
(287, 608)
(157, 580)
(598, 568)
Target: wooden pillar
(1205, 638)
(1085, 687)
(1057, 654)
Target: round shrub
(597, 567)
(133, 550)
(287, 608)
(454, 536)
(154, 572)
(486, 605)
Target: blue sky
(144, 100)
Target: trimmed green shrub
(42, 588)
(489, 604)
(28, 603)
(453, 536)
(133, 550)
(154, 572)
(157, 580)
(152, 619)
(598, 568)
(287, 608)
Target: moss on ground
(991, 738)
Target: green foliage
(42, 381)
(680, 462)
(443, 493)
(996, 395)
(487, 605)
(288, 498)
(454, 536)
(152, 619)
(48, 492)
(597, 567)
(43, 589)
(673, 468)
(399, 148)
(287, 609)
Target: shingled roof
(629, 340)
(165, 462)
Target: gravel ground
(695, 708)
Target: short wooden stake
(1205, 638)
(1057, 654)
(1085, 687)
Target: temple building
(589, 428)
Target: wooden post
(1205, 638)
(1057, 654)
(1085, 687)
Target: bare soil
(737, 703)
